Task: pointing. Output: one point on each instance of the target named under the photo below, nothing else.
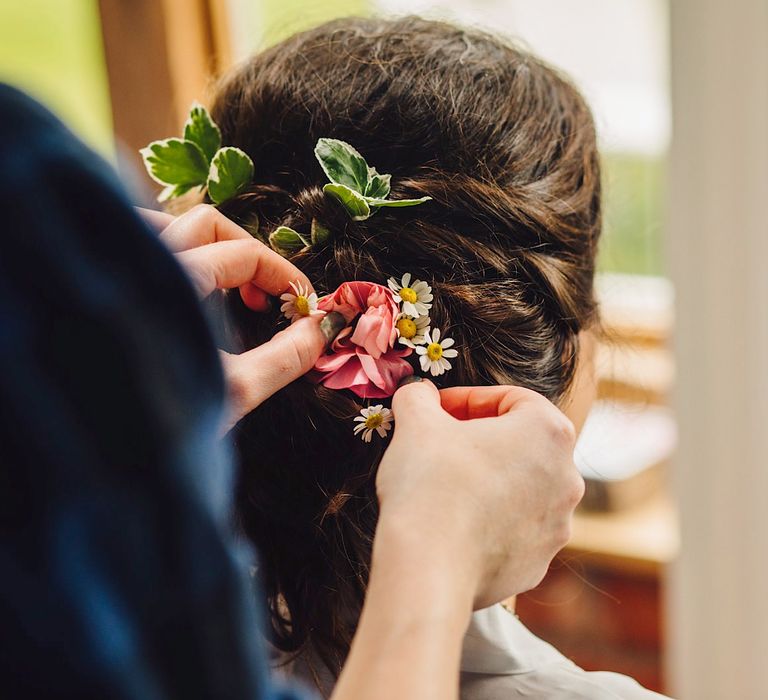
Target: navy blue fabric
(120, 576)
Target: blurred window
(53, 50)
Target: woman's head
(505, 146)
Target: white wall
(616, 50)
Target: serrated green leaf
(175, 162)
(378, 203)
(342, 164)
(285, 240)
(173, 191)
(378, 185)
(355, 204)
(202, 130)
(319, 234)
(231, 170)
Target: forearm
(408, 642)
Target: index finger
(229, 264)
(201, 225)
(470, 402)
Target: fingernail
(331, 325)
(410, 379)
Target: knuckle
(577, 490)
(562, 430)
(203, 212)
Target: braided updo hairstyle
(506, 148)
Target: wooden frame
(160, 56)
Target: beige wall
(718, 248)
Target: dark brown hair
(506, 148)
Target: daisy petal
(450, 353)
(424, 362)
(406, 279)
(447, 342)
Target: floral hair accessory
(374, 418)
(353, 183)
(363, 358)
(198, 161)
(415, 298)
(412, 331)
(432, 355)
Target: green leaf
(319, 234)
(285, 240)
(202, 130)
(173, 191)
(175, 162)
(355, 204)
(378, 185)
(231, 170)
(342, 164)
(377, 203)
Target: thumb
(255, 375)
(418, 397)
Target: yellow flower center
(302, 306)
(374, 421)
(434, 351)
(407, 294)
(407, 328)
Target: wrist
(418, 605)
(430, 566)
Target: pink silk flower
(363, 359)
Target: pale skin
(476, 490)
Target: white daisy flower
(300, 304)
(416, 298)
(373, 418)
(412, 331)
(432, 355)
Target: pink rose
(363, 358)
(375, 330)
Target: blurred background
(681, 284)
